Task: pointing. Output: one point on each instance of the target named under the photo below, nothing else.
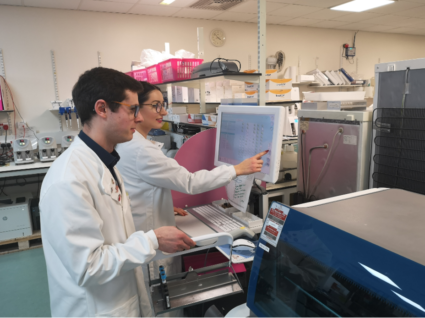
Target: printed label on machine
(274, 223)
(350, 140)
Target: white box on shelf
(278, 95)
(278, 84)
(228, 93)
(251, 94)
(194, 118)
(334, 96)
(180, 94)
(180, 118)
(249, 87)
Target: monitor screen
(243, 136)
(244, 131)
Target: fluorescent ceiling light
(361, 5)
(166, 2)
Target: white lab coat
(149, 177)
(93, 253)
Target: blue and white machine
(354, 255)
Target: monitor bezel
(279, 112)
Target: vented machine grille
(399, 159)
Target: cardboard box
(249, 87)
(239, 95)
(269, 73)
(278, 95)
(209, 119)
(220, 93)
(251, 94)
(180, 118)
(228, 93)
(180, 94)
(179, 109)
(194, 118)
(193, 95)
(278, 84)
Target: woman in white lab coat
(149, 175)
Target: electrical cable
(15, 107)
(309, 164)
(403, 104)
(339, 131)
(259, 188)
(302, 161)
(21, 184)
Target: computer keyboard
(214, 218)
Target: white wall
(28, 34)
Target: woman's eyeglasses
(158, 106)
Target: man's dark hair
(147, 89)
(101, 83)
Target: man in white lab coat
(93, 253)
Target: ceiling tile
(329, 24)
(105, 6)
(233, 16)
(120, 1)
(402, 30)
(301, 21)
(58, 4)
(283, 1)
(11, 2)
(181, 3)
(417, 1)
(379, 28)
(357, 17)
(326, 14)
(251, 6)
(351, 26)
(395, 7)
(414, 13)
(196, 13)
(389, 20)
(295, 11)
(321, 3)
(271, 19)
(160, 10)
(413, 22)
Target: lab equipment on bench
(15, 216)
(47, 149)
(196, 286)
(217, 66)
(67, 141)
(244, 131)
(23, 151)
(333, 153)
(320, 258)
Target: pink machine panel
(197, 153)
(340, 174)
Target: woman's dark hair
(147, 89)
(101, 83)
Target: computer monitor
(244, 131)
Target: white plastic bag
(150, 57)
(183, 54)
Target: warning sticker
(350, 140)
(274, 223)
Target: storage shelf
(189, 124)
(194, 82)
(335, 86)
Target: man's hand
(172, 240)
(180, 211)
(250, 165)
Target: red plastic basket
(141, 75)
(178, 69)
(130, 74)
(154, 74)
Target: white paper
(238, 191)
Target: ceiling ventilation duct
(217, 5)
